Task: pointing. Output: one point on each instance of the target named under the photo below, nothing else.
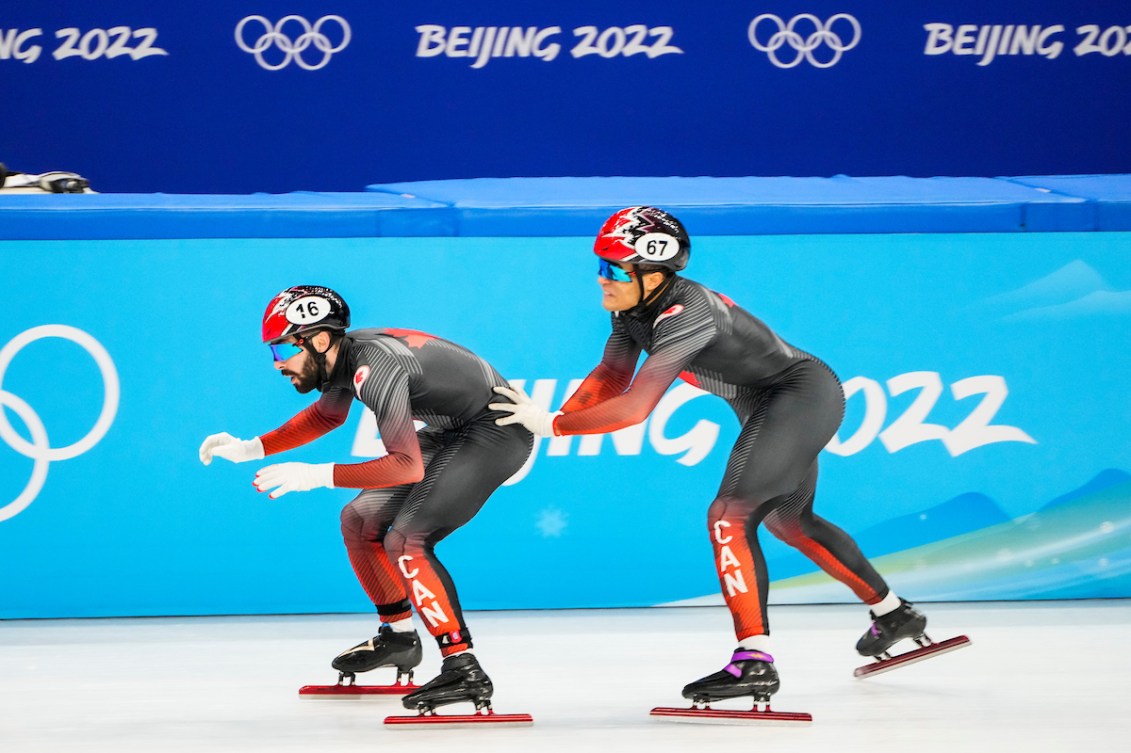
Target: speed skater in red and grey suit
(789, 403)
(428, 484)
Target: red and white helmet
(304, 308)
(644, 235)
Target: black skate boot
(386, 649)
(460, 679)
(750, 673)
(904, 622)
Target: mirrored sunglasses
(611, 271)
(283, 351)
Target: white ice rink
(1046, 676)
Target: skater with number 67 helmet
(428, 484)
(789, 403)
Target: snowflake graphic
(551, 522)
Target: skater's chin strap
(746, 656)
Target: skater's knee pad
(786, 529)
(352, 525)
(722, 508)
(395, 544)
(728, 512)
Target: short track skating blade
(917, 655)
(353, 691)
(460, 720)
(727, 716)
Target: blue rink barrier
(573, 206)
(979, 327)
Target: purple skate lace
(733, 669)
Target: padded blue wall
(984, 454)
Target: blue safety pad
(577, 206)
(296, 215)
(1109, 195)
(752, 205)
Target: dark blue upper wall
(170, 102)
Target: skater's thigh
(464, 473)
(372, 512)
(779, 442)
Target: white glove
(224, 445)
(523, 410)
(294, 477)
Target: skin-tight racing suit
(430, 483)
(790, 405)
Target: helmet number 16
(308, 310)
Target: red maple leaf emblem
(359, 378)
(413, 338)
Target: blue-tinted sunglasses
(283, 351)
(611, 271)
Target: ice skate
(386, 649)
(461, 680)
(887, 630)
(749, 674)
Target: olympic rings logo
(293, 49)
(804, 47)
(39, 449)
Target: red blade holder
(487, 716)
(708, 715)
(925, 651)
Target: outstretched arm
(328, 413)
(312, 422)
(631, 406)
(386, 392)
(678, 336)
(403, 464)
(678, 340)
(611, 377)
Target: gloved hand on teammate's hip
(224, 445)
(523, 410)
(294, 477)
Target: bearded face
(303, 372)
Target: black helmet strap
(318, 356)
(657, 292)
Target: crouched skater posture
(789, 403)
(429, 484)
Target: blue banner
(984, 454)
(258, 95)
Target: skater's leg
(457, 482)
(783, 431)
(792, 520)
(364, 523)
(455, 486)
(733, 526)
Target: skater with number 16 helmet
(789, 404)
(428, 484)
